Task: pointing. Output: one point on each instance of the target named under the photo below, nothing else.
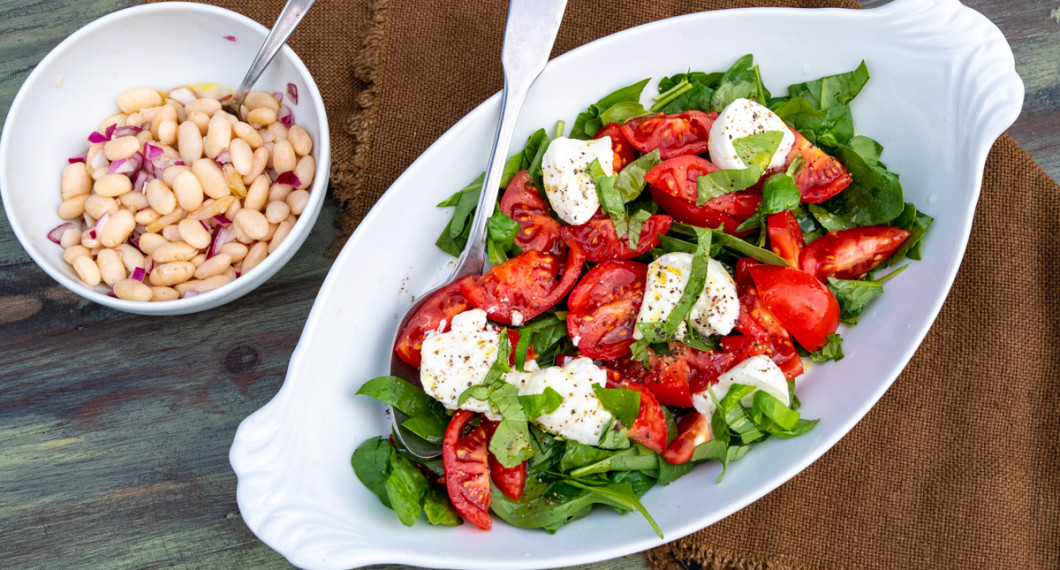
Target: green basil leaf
(438, 509)
(623, 404)
(721, 182)
(510, 443)
(748, 250)
(620, 496)
(399, 393)
(853, 296)
(758, 149)
(832, 350)
(621, 112)
(629, 182)
(614, 437)
(536, 405)
(501, 228)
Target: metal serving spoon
(286, 22)
(529, 33)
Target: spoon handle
(286, 22)
(529, 34)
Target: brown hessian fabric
(958, 466)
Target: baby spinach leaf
(623, 404)
(371, 464)
(742, 80)
(620, 496)
(545, 504)
(873, 198)
(543, 335)
(748, 250)
(405, 487)
(536, 405)
(779, 193)
(917, 223)
(832, 90)
(635, 458)
(670, 472)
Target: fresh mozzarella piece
(581, 417)
(519, 379)
(716, 309)
(570, 189)
(456, 360)
(758, 371)
(743, 118)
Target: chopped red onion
(97, 137)
(109, 133)
(183, 95)
(79, 158)
(189, 294)
(153, 152)
(128, 130)
(278, 96)
(127, 166)
(286, 116)
(111, 293)
(205, 226)
(56, 234)
(138, 274)
(141, 179)
(292, 92)
(221, 220)
(96, 229)
(289, 178)
(224, 158)
(99, 160)
(230, 38)
(222, 236)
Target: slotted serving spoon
(529, 33)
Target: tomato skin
(692, 429)
(604, 306)
(761, 332)
(785, 236)
(619, 145)
(671, 378)
(510, 480)
(649, 429)
(673, 135)
(850, 254)
(822, 176)
(711, 214)
(600, 242)
(443, 305)
(537, 229)
(467, 477)
(677, 176)
(525, 283)
(800, 302)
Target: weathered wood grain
(115, 428)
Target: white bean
(70, 238)
(76, 180)
(234, 250)
(242, 156)
(211, 178)
(254, 256)
(73, 252)
(160, 197)
(151, 241)
(117, 229)
(133, 290)
(300, 140)
(261, 99)
(130, 256)
(252, 223)
(95, 205)
(248, 134)
(169, 274)
(305, 171)
(164, 294)
(121, 147)
(132, 100)
(194, 233)
(282, 230)
(216, 265)
(112, 185)
(111, 269)
(188, 190)
(218, 136)
(189, 142)
(211, 283)
(277, 212)
(297, 200)
(283, 157)
(73, 207)
(87, 270)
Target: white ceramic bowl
(943, 88)
(76, 86)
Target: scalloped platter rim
(936, 101)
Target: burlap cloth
(958, 466)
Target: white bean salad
(174, 196)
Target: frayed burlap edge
(349, 181)
(688, 555)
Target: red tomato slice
(603, 308)
(649, 429)
(802, 304)
(621, 147)
(467, 476)
(673, 135)
(443, 305)
(525, 283)
(537, 229)
(600, 242)
(761, 332)
(742, 277)
(850, 254)
(677, 176)
(693, 429)
(510, 480)
(785, 236)
(670, 378)
(822, 177)
(705, 215)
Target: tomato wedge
(714, 213)
(467, 476)
(850, 254)
(621, 147)
(761, 333)
(510, 480)
(441, 307)
(524, 286)
(822, 176)
(603, 308)
(677, 176)
(693, 429)
(802, 304)
(673, 135)
(785, 236)
(600, 242)
(537, 229)
(649, 429)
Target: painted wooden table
(115, 428)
